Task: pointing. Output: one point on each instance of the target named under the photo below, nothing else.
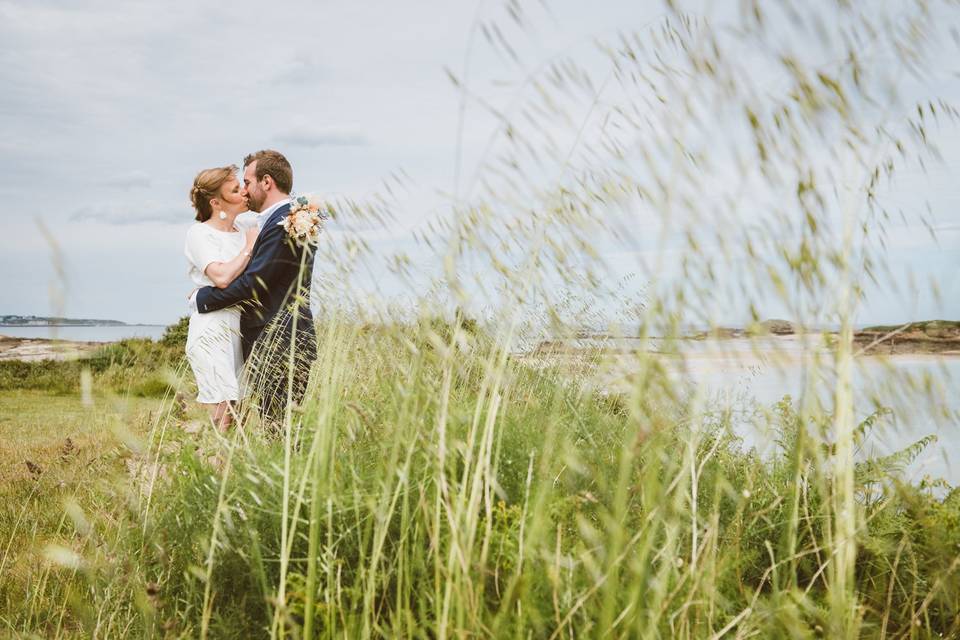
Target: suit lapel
(277, 215)
(274, 219)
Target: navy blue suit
(266, 292)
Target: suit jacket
(266, 286)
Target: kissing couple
(251, 329)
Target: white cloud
(107, 113)
(129, 180)
(322, 137)
(132, 214)
(301, 67)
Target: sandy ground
(33, 349)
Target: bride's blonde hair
(206, 186)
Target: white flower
(302, 226)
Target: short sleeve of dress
(201, 248)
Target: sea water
(747, 377)
(106, 333)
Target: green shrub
(175, 336)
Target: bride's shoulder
(246, 220)
(198, 232)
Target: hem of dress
(201, 401)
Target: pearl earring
(223, 215)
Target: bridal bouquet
(305, 221)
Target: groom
(273, 293)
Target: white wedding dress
(213, 339)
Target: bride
(218, 248)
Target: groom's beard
(254, 204)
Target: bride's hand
(251, 236)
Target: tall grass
(460, 492)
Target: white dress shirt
(264, 215)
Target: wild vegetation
(457, 490)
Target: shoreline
(704, 347)
(910, 340)
(76, 325)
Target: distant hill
(43, 321)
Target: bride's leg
(222, 416)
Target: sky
(108, 111)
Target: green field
(430, 486)
(56, 456)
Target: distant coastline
(930, 337)
(47, 321)
(922, 336)
(39, 339)
(67, 337)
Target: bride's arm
(223, 273)
(275, 256)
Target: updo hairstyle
(207, 186)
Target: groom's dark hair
(272, 163)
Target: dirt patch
(906, 342)
(33, 349)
